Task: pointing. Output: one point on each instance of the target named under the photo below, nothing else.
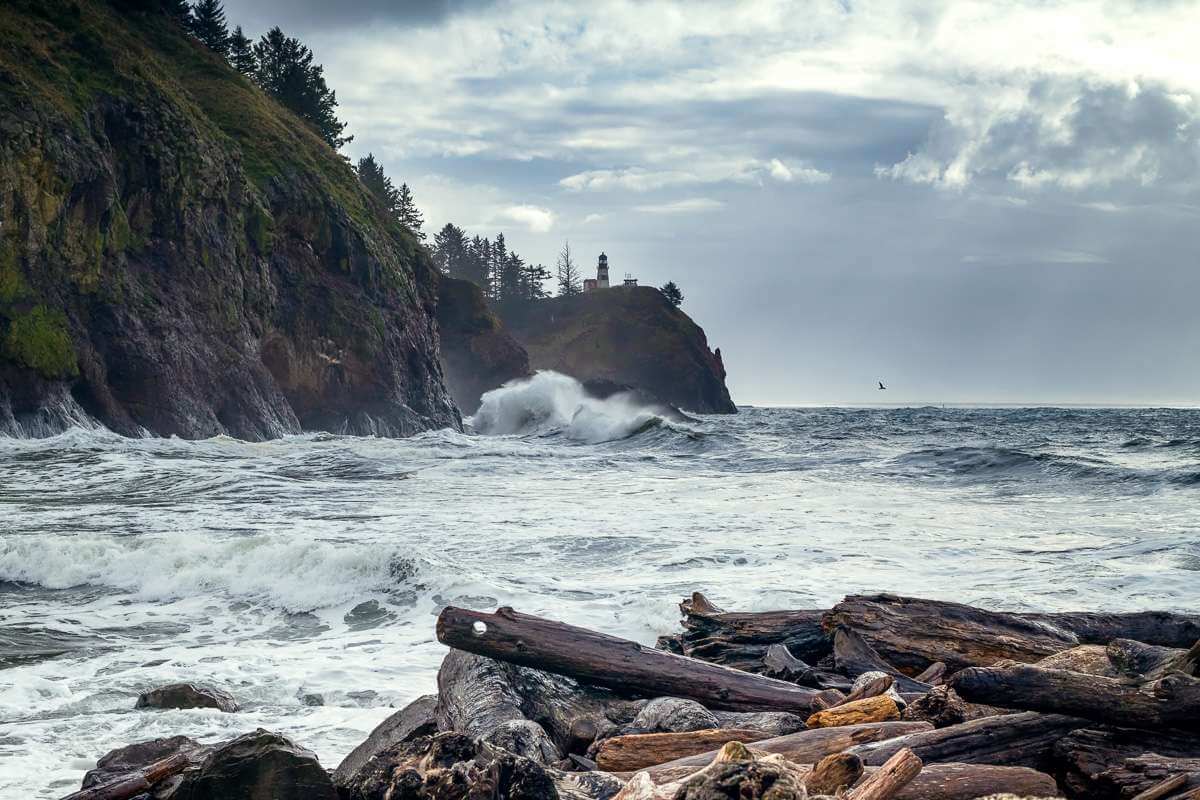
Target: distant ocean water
(310, 569)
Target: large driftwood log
(1015, 740)
(1161, 628)
(870, 709)
(1082, 757)
(890, 779)
(637, 751)
(854, 656)
(608, 661)
(135, 783)
(742, 640)
(809, 747)
(834, 773)
(1172, 701)
(1141, 773)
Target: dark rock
(187, 695)
(415, 719)
(258, 766)
(673, 715)
(625, 337)
(134, 757)
(478, 353)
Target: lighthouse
(602, 272)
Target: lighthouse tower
(602, 272)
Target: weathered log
(827, 698)
(637, 751)
(809, 747)
(741, 640)
(1141, 773)
(833, 773)
(1083, 756)
(135, 783)
(1172, 701)
(912, 633)
(1014, 740)
(1090, 659)
(875, 684)
(880, 708)
(890, 779)
(612, 662)
(933, 674)
(1164, 788)
(854, 656)
(1148, 662)
(781, 664)
(943, 707)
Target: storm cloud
(973, 201)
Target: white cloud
(1071, 257)
(692, 205)
(710, 171)
(593, 218)
(534, 218)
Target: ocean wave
(292, 575)
(550, 403)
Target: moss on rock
(39, 340)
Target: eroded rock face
(478, 353)
(181, 255)
(258, 766)
(625, 337)
(187, 695)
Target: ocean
(304, 575)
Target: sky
(970, 201)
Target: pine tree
(208, 25)
(672, 293)
(475, 266)
(408, 213)
(533, 282)
(510, 289)
(569, 282)
(241, 53)
(179, 11)
(371, 173)
(286, 70)
(451, 250)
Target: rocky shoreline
(880, 697)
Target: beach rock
(187, 695)
(258, 766)
(744, 780)
(415, 719)
(1090, 659)
(132, 757)
(942, 707)
(674, 715)
(625, 336)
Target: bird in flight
(882, 387)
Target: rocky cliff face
(626, 337)
(180, 255)
(478, 354)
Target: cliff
(477, 352)
(626, 337)
(181, 255)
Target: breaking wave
(552, 403)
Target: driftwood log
(833, 773)
(637, 751)
(854, 656)
(135, 783)
(880, 708)
(809, 747)
(1016, 740)
(741, 640)
(1083, 757)
(1171, 701)
(608, 661)
(890, 779)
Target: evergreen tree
(208, 25)
(286, 70)
(533, 282)
(241, 53)
(408, 213)
(450, 250)
(569, 281)
(510, 287)
(499, 258)
(371, 173)
(672, 293)
(179, 11)
(475, 268)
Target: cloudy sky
(972, 201)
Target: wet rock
(187, 695)
(673, 715)
(133, 757)
(258, 766)
(415, 719)
(477, 353)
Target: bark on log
(880, 708)
(1172, 701)
(1164, 788)
(1014, 740)
(827, 698)
(833, 773)
(612, 662)
(1135, 775)
(741, 640)
(1150, 662)
(890, 779)
(809, 747)
(637, 751)
(135, 783)
(912, 633)
(933, 674)
(854, 656)
(1083, 756)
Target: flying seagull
(882, 387)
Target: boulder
(415, 719)
(187, 695)
(673, 715)
(258, 766)
(133, 757)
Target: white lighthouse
(602, 272)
